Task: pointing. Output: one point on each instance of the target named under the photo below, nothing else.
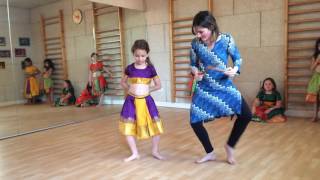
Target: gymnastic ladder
(54, 48)
(302, 28)
(108, 34)
(180, 39)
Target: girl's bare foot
(158, 156)
(132, 157)
(208, 157)
(230, 154)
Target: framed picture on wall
(2, 41)
(5, 54)
(24, 41)
(20, 52)
(2, 65)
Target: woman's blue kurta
(215, 95)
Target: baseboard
(10, 103)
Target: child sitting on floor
(86, 97)
(67, 97)
(267, 106)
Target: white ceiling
(26, 3)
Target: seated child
(267, 106)
(67, 97)
(86, 98)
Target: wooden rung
(181, 96)
(181, 47)
(298, 75)
(106, 31)
(300, 48)
(297, 91)
(298, 83)
(298, 57)
(182, 55)
(182, 76)
(181, 40)
(116, 77)
(182, 69)
(182, 33)
(51, 23)
(53, 49)
(52, 38)
(103, 13)
(108, 48)
(102, 7)
(109, 54)
(53, 43)
(111, 65)
(183, 19)
(182, 62)
(108, 42)
(182, 26)
(303, 39)
(298, 21)
(302, 101)
(108, 36)
(56, 58)
(50, 18)
(305, 11)
(304, 29)
(303, 2)
(181, 82)
(299, 66)
(183, 89)
(115, 88)
(113, 94)
(116, 59)
(53, 54)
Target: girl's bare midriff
(139, 89)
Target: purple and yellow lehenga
(140, 116)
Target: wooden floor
(94, 150)
(18, 119)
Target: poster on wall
(5, 54)
(2, 41)
(2, 65)
(24, 41)
(20, 52)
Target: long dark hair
(316, 50)
(273, 83)
(25, 61)
(50, 63)
(70, 87)
(207, 20)
(142, 44)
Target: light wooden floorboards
(94, 150)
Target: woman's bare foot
(230, 154)
(158, 156)
(314, 119)
(208, 157)
(132, 157)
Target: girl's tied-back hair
(316, 50)
(50, 63)
(141, 44)
(207, 20)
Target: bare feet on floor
(158, 156)
(314, 119)
(132, 157)
(208, 157)
(230, 154)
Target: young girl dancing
(140, 117)
(31, 89)
(47, 80)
